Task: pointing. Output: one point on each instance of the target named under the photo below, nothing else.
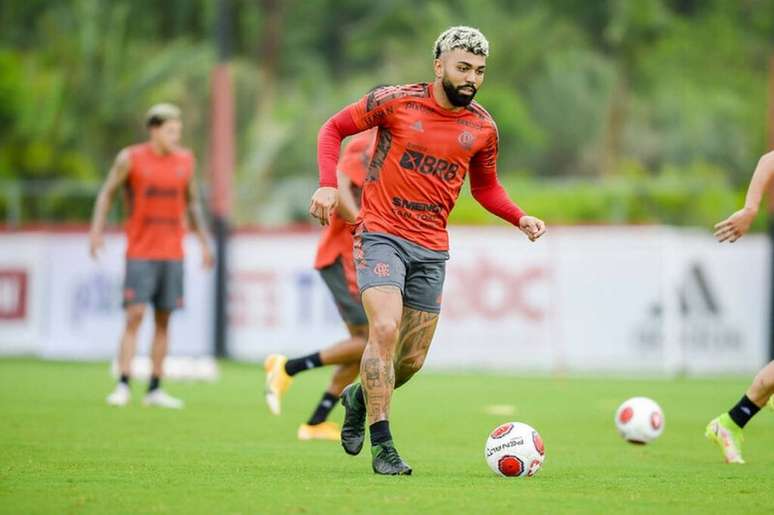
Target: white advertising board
(22, 276)
(609, 299)
(582, 299)
(82, 302)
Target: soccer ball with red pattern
(639, 420)
(514, 450)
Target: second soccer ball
(639, 420)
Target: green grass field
(62, 450)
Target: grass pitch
(62, 450)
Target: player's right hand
(323, 203)
(532, 226)
(735, 226)
(96, 244)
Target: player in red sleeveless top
(161, 195)
(335, 262)
(431, 135)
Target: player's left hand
(533, 227)
(208, 259)
(735, 226)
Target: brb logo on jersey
(428, 165)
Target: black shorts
(157, 282)
(383, 259)
(347, 301)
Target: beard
(456, 97)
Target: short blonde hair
(466, 38)
(160, 113)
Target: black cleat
(387, 461)
(353, 428)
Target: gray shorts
(347, 301)
(154, 281)
(383, 259)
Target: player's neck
(439, 95)
(158, 149)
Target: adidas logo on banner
(694, 296)
(700, 324)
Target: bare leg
(762, 386)
(348, 351)
(384, 307)
(134, 314)
(160, 342)
(416, 334)
(343, 376)
(347, 355)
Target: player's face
(167, 135)
(461, 74)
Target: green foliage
(696, 195)
(580, 90)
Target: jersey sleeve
(486, 187)
(372, 110)
(375, 108)
(338, 127)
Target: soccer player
(336, 265)
(430, 136)
(726, 429)
(160, 189)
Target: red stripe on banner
(13, 294)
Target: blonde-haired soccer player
(158, 178)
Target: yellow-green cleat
(277, 382)
(728, 436)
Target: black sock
(380, 432)
(124, 379)
(294, 366)
(155, 382)
(327, 403)
(744, 410)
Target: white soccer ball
(514, 450)
(639, 420)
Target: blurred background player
(430, 136)
(336, 265)
(726, 429)
(160, 188)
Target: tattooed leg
(416, 334)
(383, 305)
